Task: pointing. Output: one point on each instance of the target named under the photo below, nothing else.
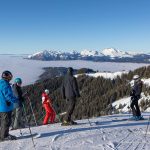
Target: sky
(28, 26)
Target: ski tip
(37, 135)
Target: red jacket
(46, 99)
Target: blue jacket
(6, 97)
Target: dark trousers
(135, 107)
(70, 108)
(18, 116)
(5, 124)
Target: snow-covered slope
(105, 133)
(107, 75)
(123, 104)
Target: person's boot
(73, 122)
(133, 118)
(65, 123)
(9, 137)
(140, 118)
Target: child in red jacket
(47, 104)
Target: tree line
(96, 94)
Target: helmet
(18, 80)
(46, 91)
(7, 75)
(135, 77)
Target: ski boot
(65, 123)
(9, 137)
(139, 118)
(73, 122)
(133, 118)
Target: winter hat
(135, 77)
(46, 91)
(18, 80)
(7, 75)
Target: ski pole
(32, 110)
(89, 121)
(25, 115)
(21, 132)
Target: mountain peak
(108, 54)
(89, 53)
(112, 52)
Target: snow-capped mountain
(86, 53)
(109, 54)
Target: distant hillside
(106, 55)
(96, 94)
(52, 72)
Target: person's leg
(47, 114)
(18, 114)
(5, 124)
(138, 112)
(133, 107)
(71, 106)
(52, 115)
(9, 122)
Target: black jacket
(69, 87)
(17, 91)
(136, 90)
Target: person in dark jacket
(6, 106)
(17, 91)
(70, 92)
(135, 96)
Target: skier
(6, 106)
(69, 91)
(135, 96)
(16, 88)
(47, 104)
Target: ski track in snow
(106, 133)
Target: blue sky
(27, 26)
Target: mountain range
(109, 54)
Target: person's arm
(8, 94)
(43, 99)
(63, 90)
(75, 88)
(15, 91)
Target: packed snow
(30, 70)
(113, 132)
(107, 75)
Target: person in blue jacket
(6, 106)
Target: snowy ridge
(109, 54)
(89, 53)
(106, 75)
(124, 103)
(105, 133)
